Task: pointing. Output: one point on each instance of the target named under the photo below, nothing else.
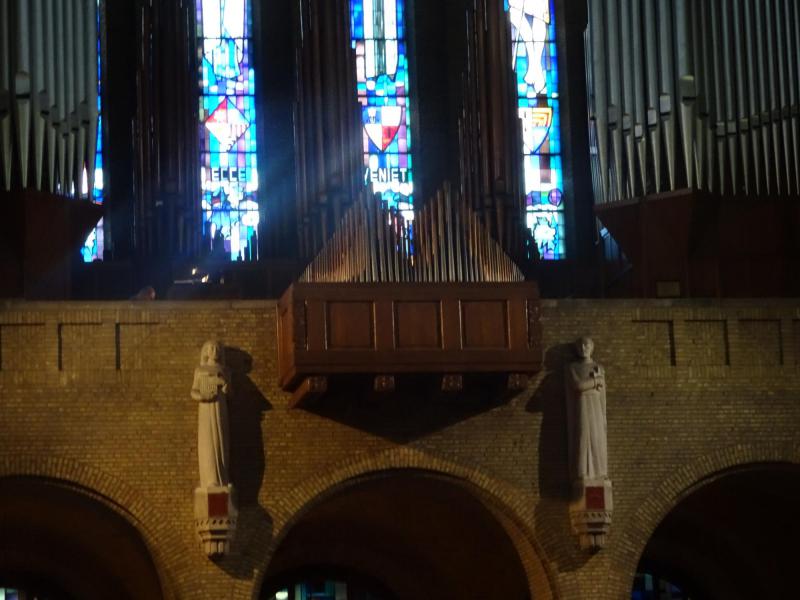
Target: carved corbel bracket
(590, 512)
(215, 516)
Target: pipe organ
(327, 123)
(489, 131)
(48, 95)
(694, 94)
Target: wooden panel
(387, 329)
(484, 324)
(350, 325)
(418, 325)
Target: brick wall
(98, 394)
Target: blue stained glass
(535, 62)
(378, 31)
(228, 146)
(92, 249)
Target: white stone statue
(586, 416)
(210, 388)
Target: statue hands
(597, 377)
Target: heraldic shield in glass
(378, 36)
(228, 165)
(534, 56)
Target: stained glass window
(534, 56)
(93, 246)
(228, 166)
(378, 35)
(647, 586)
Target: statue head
(584, 346)
(213, 353)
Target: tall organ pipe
(22, 87)
(5, 97)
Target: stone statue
(214, 502)
(592, 502)
(210, 388)
(586, 415)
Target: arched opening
(57, 543)
(733, 538)
(397, 535)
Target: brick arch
(508, 506)
(631, 541)
(106, 489)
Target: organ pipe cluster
(48, 94)
(490, 151)
(694, 94)
(327, 122)
(445, 242)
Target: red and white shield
(381, 124)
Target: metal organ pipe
(687, 88)
(599, 96)
(741, 97)
(69, 125)
(640, 110)
(653, 121)
(80, 99)
(614, 94)
(91, 89)
(5, 97)
(694, 94)
(792, 20)
(60, 112)
(38, 94)
(784, 108)
(48, 102)
(22, 87)
(666, 99)
(628, 103)
(753, 161)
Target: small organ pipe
(628, 103)
(687, 89)
(653, 129)
(614, 94)
(599, 94)
(38, 95)
(730, 102)
(61, 96)
(666, 98)
(91, 89)
(783, 94)
(719, 98)
(771, 67)
(752, 97)
(5, 96)
(763, 102)
(22, 87)
(792, 19)
(639, 95)
(741, 97)
(49, 97)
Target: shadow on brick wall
(552, 510)
(247, 409)
(415, 409)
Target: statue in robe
(210, 388)
(586, 415)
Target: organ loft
(382, 225)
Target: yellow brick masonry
(97, 395)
